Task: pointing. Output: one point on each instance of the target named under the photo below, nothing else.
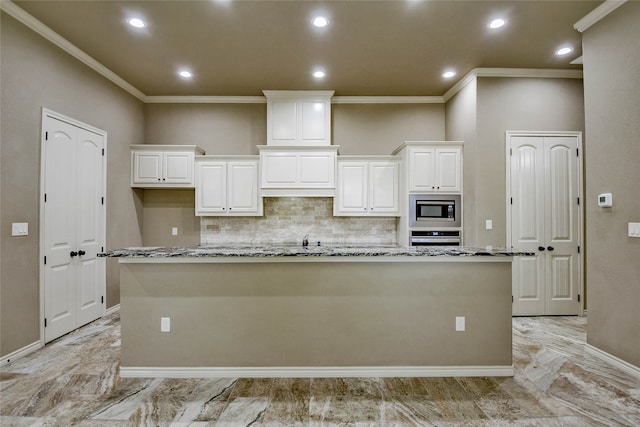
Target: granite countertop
(309, 251)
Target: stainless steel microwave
(435, 210)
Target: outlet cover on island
(165, 324)
(174, 231)
(488, 224)
(460, 324)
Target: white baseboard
(317, 372)
(21, 352)
(611, 359)
(112, 310)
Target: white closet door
(60, 281)
(73, 227)
(545, 220)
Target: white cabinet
(367, 187)
(227, 185)
(298, 117)
(298, 171)
(163, 166)
(435, 169)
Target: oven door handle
(420, 240)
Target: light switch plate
(165, 324)
(20, 229)
(488, 224)
(460, 326)
(174, 231)
(634, 229)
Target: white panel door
(147, 167)
(383, 182)
(73, 226)
(422, 169)
(242, 193)
(545, 219)
(60, 277)
(448, 176)
(211, 188)
(177, 168)
(353, 188)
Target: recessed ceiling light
(496, 23)
(319, 74)
(320, 21)
(185, 74)
(448, 74)
(564, 51)
(136, 22)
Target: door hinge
(102, 299)
(102, 249)
(577, 152)
(511, 151)
(45, 322)
(578, 297)
(46, 136)
(103, 151)
(578, 200)
(512, 299)
(45, 197)
(45, 260)
(578, 249)
(102, 199)
(512, 200)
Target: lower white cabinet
(367, 187)
(227, 185)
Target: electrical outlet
(174, 231)
(165, 324)
(634, 229)
(488, 224)
(460, 327)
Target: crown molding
(387, 100)
(597, 14)
(25, 18)
(537, 73)
(205, 100)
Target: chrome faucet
(305, 241)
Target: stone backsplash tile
(287, 220)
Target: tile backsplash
(287, 220)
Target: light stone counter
(288, 311)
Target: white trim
(613, 360)
(317, 372)
(205, 100)
(109, 311)
(22, 16)
(21, 352)
(597, 14)
(387, 100)
(536, 73)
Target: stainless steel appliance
(435, 238)
(435, 210)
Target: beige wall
(37, 74)
(504, 104)
(612, 107)
(165, 209)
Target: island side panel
(304, 314)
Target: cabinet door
(313, 123)
(242, 188)
(316, 170)
(448, 170)
(383, 182)
(147, 167)
(279, 170)
(211, 185)
(283, 124)
(353, 189)
(422, 169)
(178, 168)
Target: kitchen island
(291, 311)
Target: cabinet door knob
(550, 248)
(73, 253)
(541, 248)
(81, 252)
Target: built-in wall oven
(435, 220)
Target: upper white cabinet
(367, 186)
(298, 118)
(227, 185)
(433, 168)
(163, 166)
(298, 171)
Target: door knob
(550, 248)
(541, 248)
(81, 252)
(73, 253)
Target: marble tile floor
(74, 381)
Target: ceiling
(369, 48)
